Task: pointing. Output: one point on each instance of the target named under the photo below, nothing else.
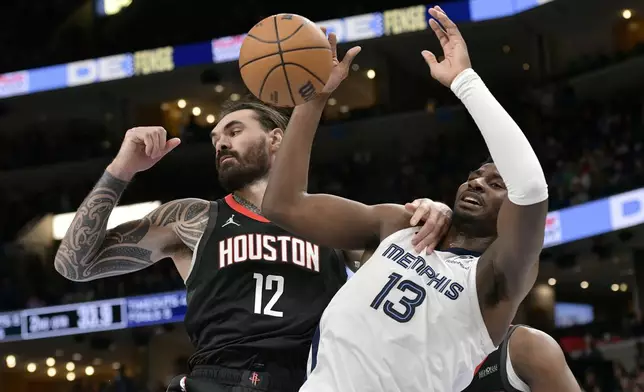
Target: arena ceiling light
(120, 214)
(10, 360)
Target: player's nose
(477, 184)
(222, 144)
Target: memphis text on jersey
(279, 249)
(442, 284)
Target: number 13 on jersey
(414, 296)
(260, 286)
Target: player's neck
(456, 238)
(253, 193)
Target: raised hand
(435, 218)
(141, 149)
(457, 59)
(340, 68)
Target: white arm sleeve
(514, 158)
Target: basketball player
(528, 360)
(255, 291)
(408, 321)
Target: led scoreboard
(94, 316)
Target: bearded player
(255, 291)
(408, 321)
(527, 360)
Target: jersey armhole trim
(510, 379)
(203, 240)
(513, 378)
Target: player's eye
(497, 185)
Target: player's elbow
(533, 191)
(68, 272)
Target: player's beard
(247, 169)
(474, 226)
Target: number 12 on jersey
(409, 303)
(259, 293)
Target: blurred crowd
(598, 374)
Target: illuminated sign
(100, 70)
(148, 62)
(226, 49)
(111, 7)
(355, 28)
(405, 20)
(14, 83)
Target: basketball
(285, 60)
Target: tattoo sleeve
(89, 251)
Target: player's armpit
(539, 362)
(514, 255)
(89, 251)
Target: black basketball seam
(277, 36)
(307, 70)
(261, 88)
(284, 51)
(279, 48)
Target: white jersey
(404, 322)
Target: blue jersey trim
(462, 252)
(315, 344)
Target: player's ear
(275, 139)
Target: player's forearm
(289, 176)
(514, 157)
(87, 231)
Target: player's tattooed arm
(89, 251)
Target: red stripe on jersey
(243, 210)
(479, 365)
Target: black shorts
(221, 379)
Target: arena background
(79, 73)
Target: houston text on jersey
(283, 248)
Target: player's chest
(441, 276)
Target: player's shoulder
(189, 202)
(529, 337)
(189, 211)
(534, 348)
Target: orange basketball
(285, 60)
